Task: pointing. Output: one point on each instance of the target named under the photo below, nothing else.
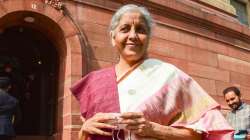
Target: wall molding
(228, 27)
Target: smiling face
(131, 37)
(232, 100)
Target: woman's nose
(132, 34)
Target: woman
(146, 98)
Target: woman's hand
(137, 124)
(96, 124)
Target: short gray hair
(131, 8)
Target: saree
(165, 95)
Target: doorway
(33, 61)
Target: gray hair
(131, 8)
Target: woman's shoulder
(100, 74)
(94, 78)
(104, 72)
(152, 62)
(163, 67)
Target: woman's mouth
(131, 45)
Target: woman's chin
(133, 58)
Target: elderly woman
(142, 98)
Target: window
(241, 10)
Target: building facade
(58, 41)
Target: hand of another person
(136, 123)
(97, 124)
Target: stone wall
(208, 44)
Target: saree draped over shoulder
(164, 94)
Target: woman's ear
(112, 36)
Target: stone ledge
(192, 13)
(221, 4)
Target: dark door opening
(33, 61)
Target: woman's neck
(123, 68)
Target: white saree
(168, 96)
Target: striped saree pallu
(168, 96)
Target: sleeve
(7, 104)
(200, 111)
(81, 91)
(213, 126)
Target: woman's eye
(141, 30)
(124, 29)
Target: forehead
(132, 18)
(230, 94)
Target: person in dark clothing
(8, 71)
(8, 110)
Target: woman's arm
(95, 125)
(137, 124)
(82, 135)
(171, 133)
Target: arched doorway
(34, 63)
(54, 27)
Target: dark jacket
(8, 108)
